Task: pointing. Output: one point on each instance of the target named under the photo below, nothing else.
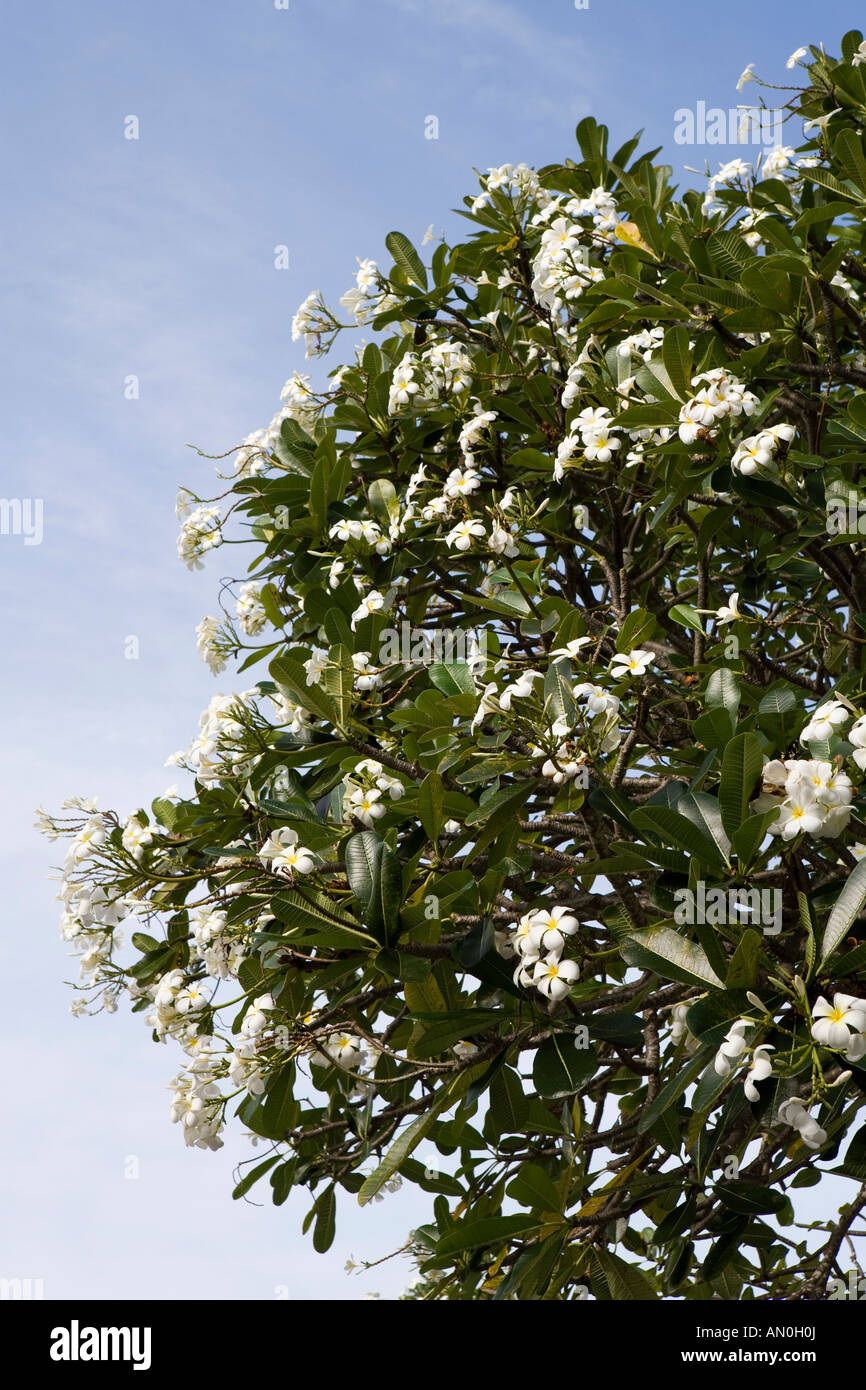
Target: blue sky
(258, 127)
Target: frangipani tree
(527, 870)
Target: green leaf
(407, 258)
(382, 496)
(679, 831)
(677, 357)
(452, 677)
(489, 1231)
(743, 968)
(638, 627)
(254, 1174)
(671, 1091)
(676, 1222)
(751, 835)
(295, 449)
(558, 699)
(362, 852)
(338, 679)
(278, 1109)
(532, 1187)
(441, 1037)
(730, 253)
(721, 1253)
(749, 1198)
(321, 921)
(560, 1068)
(431, 799)
(704, 812)
(512, 799)
(282, 1181)
(376, 879)
(670, 955)
(845, 911)
(643, 417)
(508, 1101)
(291, 676)
(848, 152)
(710, 1016)
(723, 692)
(741, 767)
(142, 942)
(318, 499)
(166, 812)
(854, 1163)
(625, 1281)
(411, 1137)
(326, 1208)
(713, 729)
(686, 616)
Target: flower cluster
(720, 396)
(560, 269)
(199, 533)
(594, 432)
(733, 1046)
(136, 836)
(644, 344)
(282, 854)
(219, 749)
(250, 609)
(519, 181)
(539, 939)
(364, 792)
(196, 1105)
(220, 948)
(369, 295)
(298, 403)
(422, 379)
(758, 451)
(209, 644)
(812, 796)
(315, 323)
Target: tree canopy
(530, 873)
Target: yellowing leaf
(595, 1204)
(630, 234)
(425, 996)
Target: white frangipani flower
(729, 612)
(825, 721)
(520, 689)
(794, 1112)
(834, 1024)
(732, 1047)
(553, 977)
(760, 1069)
(365, 806)
(628, 664)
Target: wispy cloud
(501, 25)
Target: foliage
(569, 438)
